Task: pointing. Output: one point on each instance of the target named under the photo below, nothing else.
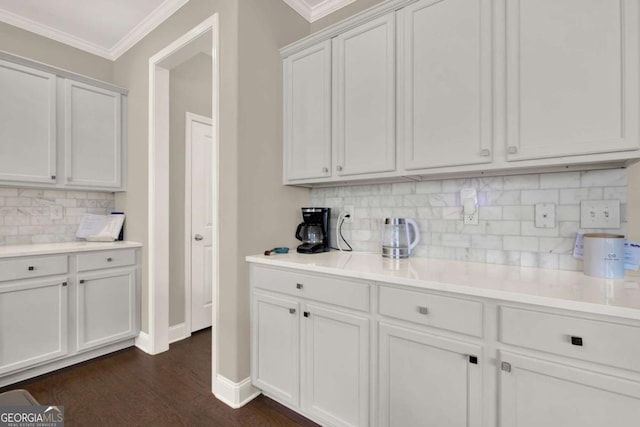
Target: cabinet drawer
(24, 268)
(452, 314)
(595, 341)
(108, 259)
(327, 289)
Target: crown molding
(148, 24)
(318, 11)
(52, 33)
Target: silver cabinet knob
(292, 310)
(423, 310)
(512, 149)
(198, 237)
(325, 170)
(109, 259)
(339, 168)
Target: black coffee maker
(314, 231)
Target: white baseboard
(178, 332)
(143, 342)
(233, 394)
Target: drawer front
(595, 341)
(332, 290)
(107, 259)
(452, 314)
(25, 268)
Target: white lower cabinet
(105, 307)
(345, 352)
(33, 323)
(536, 392)
(307, 354)
(52, 315)
(426, 380)
(335, 366)
(276, 348)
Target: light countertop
(57, 248)
(568, 290)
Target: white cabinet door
(93, 136)
(335, 366)
(425, 380)
(33, 323)
(27, 124)
(106, 307)
(445, 89)
(307, 113)
(275, 349)
(536, 393)
(572, 77)
(364, 108)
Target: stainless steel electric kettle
(396, 242)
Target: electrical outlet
(348, 210)
(545, 215)
(55, 212)
(600, 214)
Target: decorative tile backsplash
(25, 214)
(506, 233)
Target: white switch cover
(545, 215)
(55, 212)
(600, 214)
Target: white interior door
(200, 139)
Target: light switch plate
(55, 212)
(600, 214)
(545, 215)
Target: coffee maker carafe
(314, 231)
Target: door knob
(198, 237)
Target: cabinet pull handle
(31, 268)
(64, 283)
(299, 286)
(306, 314)
(485, 152)
(505, 366)
(576, 341)
(81, 280)
(292, 310)
(512, 149)
(53, 177)
(109, 259)
(473, 359)
(325, 170)
(339, 168)
(423, 310)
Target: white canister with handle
(604, 255)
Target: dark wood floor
(131, 388)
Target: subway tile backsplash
(25, 214)
(506, 233)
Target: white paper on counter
(100, 227)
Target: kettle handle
(416, 233)
(298, 236)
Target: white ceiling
(109, 28)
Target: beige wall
(190, 91)
(268, 211)
(30, 45)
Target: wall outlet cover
(545, 215)
(600, 214)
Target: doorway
(203, 38)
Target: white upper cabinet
(92, 136)
(572, 77)
(445, 83)
(307, 130)
(364, 108)
(28, 124)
